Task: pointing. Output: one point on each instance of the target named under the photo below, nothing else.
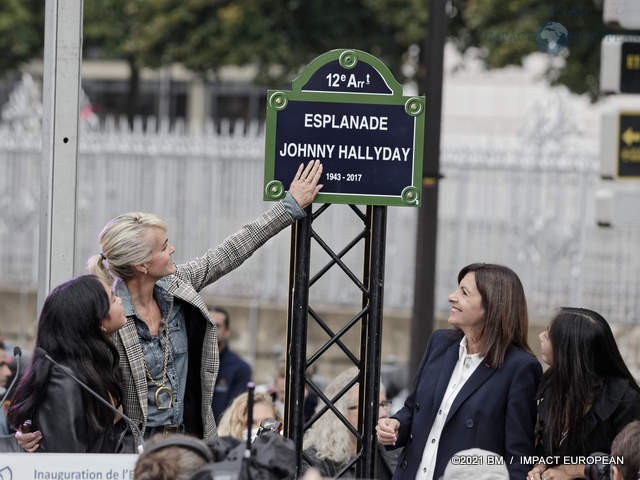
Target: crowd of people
(137, 334)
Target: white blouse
(465, 366)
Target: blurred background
(172, 121)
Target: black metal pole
(372, 340)
(297, 333)
(251, 387)
(422, 318)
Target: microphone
(132, 425)
(250, 389)
(17, 354)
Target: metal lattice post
(297, 332)
(370, 316)
(371, 340)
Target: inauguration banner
(347, 110)
(67, 466)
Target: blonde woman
(168, 348)
(234, 419)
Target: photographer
(175, 456)
(234, 420)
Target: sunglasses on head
(383, 404)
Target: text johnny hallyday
(349, 152)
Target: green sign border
(414, 106)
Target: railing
(531, 210)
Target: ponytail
(96, 266)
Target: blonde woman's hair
(234, 418)
(329, 436)
(123, 245)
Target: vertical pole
(422, 318)
(198, 106)
(61, 100)
(372, 341)
(297, 333)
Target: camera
(269, 425)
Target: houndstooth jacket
(189, 279)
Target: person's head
(328, 435)
(5, 371)
(490, 306)
(582, 353)
(281, 382)
(234, 418)
(174, 457)
(353, 406)
(546, 351)
(221, 318)
(580, 339)
(133, 244)
(626, 444)
(476, 464)
(74, 327)
(77, 317)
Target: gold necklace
(162, 390)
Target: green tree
(506, 31)
(21, 33)
(110, 30)
(278, 37)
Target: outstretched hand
(304, 186)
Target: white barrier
(66, 466)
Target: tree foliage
(109, 28)
(506, 31)
(21, 32)
(278, 37)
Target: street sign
(347, 110)
(629, 145)
(617, 200)
(620, 64)
(620, 143)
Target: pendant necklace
(164, 394)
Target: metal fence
(530, 208)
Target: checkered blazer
(189, 279)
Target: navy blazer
(495, 410)
(233, 376)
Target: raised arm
(238, 247)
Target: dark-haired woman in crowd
(586, 396)
(476, 385)
(75, 326)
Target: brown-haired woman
(476, 385)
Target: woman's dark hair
(506, 321)
(69, 330)
(585, 353)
